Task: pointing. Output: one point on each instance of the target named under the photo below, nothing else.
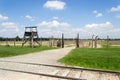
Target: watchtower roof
(31, 27)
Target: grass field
(18, 50)
(102, 58)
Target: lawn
(102, 58)
(17, 50)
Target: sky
(54, 17)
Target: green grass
(102, 58)
(14, 51)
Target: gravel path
(45, 57)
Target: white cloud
(9, 29)
(114, 9)
(102, 25)
(101, 29)
(3, 17)
(55, 17)
(10, 26)
(118, 16)
(97, 14)
(31, 18)
(54, 28)
(53, 23)
(64, 24)
(55, 5)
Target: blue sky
(54, 17)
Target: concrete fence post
(96, 41)
(92, 41)
(77, 41)
(107, 41)
(7, 43)
(14, 42)
(62, 40)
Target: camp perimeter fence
(48, 42)
(67, 42)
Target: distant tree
(1, 38)
(99, 39)
(17, 38)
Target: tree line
(17, 38)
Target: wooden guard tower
(31, 35)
